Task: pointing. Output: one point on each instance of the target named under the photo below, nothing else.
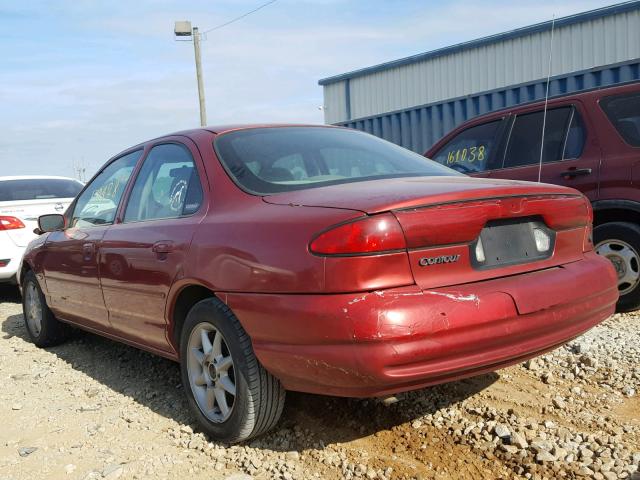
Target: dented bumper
(388, 341)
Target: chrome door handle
(163, 246)
(576, 172)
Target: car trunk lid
(472, 240)
(445, 218)
(375, 196)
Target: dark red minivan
(316, 259)
(591, 143)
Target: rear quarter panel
(248, 245)
(620, 172)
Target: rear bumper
(388, 341)
(9, 251)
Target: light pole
(183, 29)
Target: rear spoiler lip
(484, 199)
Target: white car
(22, 200)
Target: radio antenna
(546, 98)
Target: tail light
(379, 233)
(10, 223)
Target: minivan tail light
(10, 223)
(379, 233)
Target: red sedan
(317, 259)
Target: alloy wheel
(33, 309)
(211, 372)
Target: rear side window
(38, 189)
(471, 150)
(624, 113)
(563, 137)
(167, 186)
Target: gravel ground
(93, 409)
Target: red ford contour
(316, 259)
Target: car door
(568, 156)
(143, 252)
(70, 264)
(475, 150)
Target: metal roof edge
(562, 76)
(518, 32)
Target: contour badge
(426, 261)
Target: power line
(240, 17)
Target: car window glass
(624, 113)
(98, 204)
(471, 150)
(38, 189)
(167, 186)
(281, 159)
(526, 135)
(575, 138)
(346, 163)
(290, 165)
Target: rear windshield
(38, 188)
(283, 159)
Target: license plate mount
(510, 242)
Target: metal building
(416, 100)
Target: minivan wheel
(232, 396)
(44, 329)
(620, 243)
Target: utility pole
(196, 48)
(183, 29)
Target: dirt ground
(93, 408)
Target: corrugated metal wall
(335, 101)
(581, 42)
(418, 128)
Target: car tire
(44, 329)
(211, 366)
(620, 243)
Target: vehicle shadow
(309, 421)
(9, 294)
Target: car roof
(219, 129)
(600, 91)
(37, 177)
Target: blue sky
(81, 80)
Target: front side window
(472, 150)
(280, 159)
(624, 113)
(98, 204)
(167, 186)
(526, 137)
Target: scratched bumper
(384, 342)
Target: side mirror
(50, 223)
